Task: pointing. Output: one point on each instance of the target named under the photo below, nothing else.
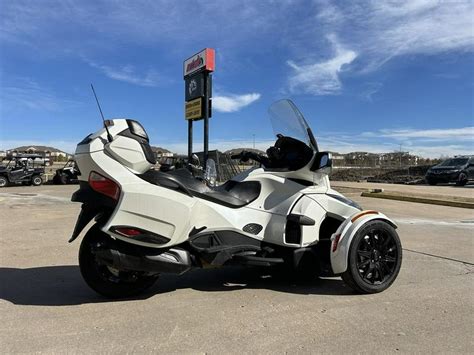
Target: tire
(36, 180)
(63, 179)
(104, 280)
(431, 182)
(375, 258)
(462, 179)
(3, 181)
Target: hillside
(238, 150)
(159, 150)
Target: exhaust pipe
(174, 260)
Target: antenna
(109, 136)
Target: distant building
(375, 160)
(161, 152)
(3, 154)
(50, 153)
(398, 159)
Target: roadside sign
(204, 60)
(193, 109)
(194, 86)
(197, 94)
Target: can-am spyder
(283, 213)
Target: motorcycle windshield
(288, 121)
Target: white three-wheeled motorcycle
(281, 214)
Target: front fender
(342, 239)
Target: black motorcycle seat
(233, 194)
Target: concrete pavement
(445, 189)
(46, 307)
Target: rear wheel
(431, 182)
(462, 180)
(375, 258)
(64, 179)
(107, 281)
(36, 180)
(3, 181)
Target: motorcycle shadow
(62, 285)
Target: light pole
(400, 155)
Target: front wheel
(375, 258)
(36, 180)
(107, 281)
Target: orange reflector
(363, 213)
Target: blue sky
(368, 76)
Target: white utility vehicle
(283, 213)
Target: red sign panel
(204, 60)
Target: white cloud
(381, 30)
(431, 143)
(373, 33)
(233, 103)
(340, 143)
(128, 74)
(87, 26)
(321, 78)
(425, 151)
(22, 94)
(465, 133)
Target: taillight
(128, 232)
(140, 235)
(104, 185)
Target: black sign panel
(194, 86)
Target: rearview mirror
(322, 162)
(195, 160)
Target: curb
(431, 201)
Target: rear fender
(342, 239)
(94, 204)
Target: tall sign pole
(198, 93)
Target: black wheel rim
(377, 257)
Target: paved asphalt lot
(46, 307)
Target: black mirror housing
(322, 160)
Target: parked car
(26, 169)
(459, 169)
(67, 174)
